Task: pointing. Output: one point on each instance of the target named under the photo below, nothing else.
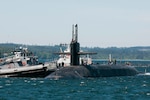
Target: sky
(101, 23)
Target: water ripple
(134, 87)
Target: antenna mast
(76, 33)
(73, 32)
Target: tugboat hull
(31, 71)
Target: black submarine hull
(92, 71)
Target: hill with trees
(46, 52)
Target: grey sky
(102, 23)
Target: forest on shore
(47, 52)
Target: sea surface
(110, 88)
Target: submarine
(79, 71)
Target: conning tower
(75, 47)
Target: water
(112, 88)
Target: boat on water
(22, 63)
(145, 73)
(80, 70)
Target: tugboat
(77, 70)
(22, 63)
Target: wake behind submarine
(75, 70)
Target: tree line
(47, 52)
